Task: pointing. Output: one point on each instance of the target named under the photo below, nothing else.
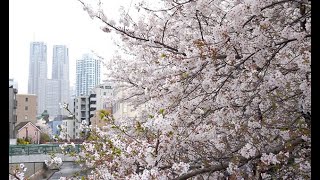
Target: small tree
(44, 138)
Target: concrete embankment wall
(32, 168)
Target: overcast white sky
(55, 22)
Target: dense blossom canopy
(222, 88)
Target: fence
(15, 150)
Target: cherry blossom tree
(223, 87)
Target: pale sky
(55, 22)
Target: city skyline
(38, 20)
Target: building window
(27, 99)
(26, 108)
(104, 93)
(35, 133)
(26, 117)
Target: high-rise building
(88, 74)
(58, 86)
(60, 70)
(72, 94)
(38, 73)
(52, 97)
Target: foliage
(24, 141)
(44, 138)
(225, 86)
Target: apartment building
(27, 108)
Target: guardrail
(16, 150)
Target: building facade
(26, 108)
(38, 73)
(12, 111)
(28, 130)
(123, 109)
(60, 73)
(52, 97)
(87, 74)
(55, 126)
(13, 83)
(100, 98)
(81, 112)
(69, 129)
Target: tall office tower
(72, 94)
(60, 75)
(52, 97)
(38, 73)
(88, 74)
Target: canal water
(68, 169)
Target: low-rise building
(69, 128)
(55, 126)
(28, 130)
(100, 98)
(26, 108)
(12, 109)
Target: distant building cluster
(45, 96)
(50, 92)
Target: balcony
(83, 102)
(93, 99)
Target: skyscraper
(38, 73)
(52, 97)
(88, 74)
(58, 86)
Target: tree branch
(124, 32)
(243, 161)
(199, 25)
(290, 40)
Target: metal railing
(18, 150)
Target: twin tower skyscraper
(50, 92)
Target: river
(66, 170)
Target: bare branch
(124, 32)
(199, 25)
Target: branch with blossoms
(17, 172)
(234, 105)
